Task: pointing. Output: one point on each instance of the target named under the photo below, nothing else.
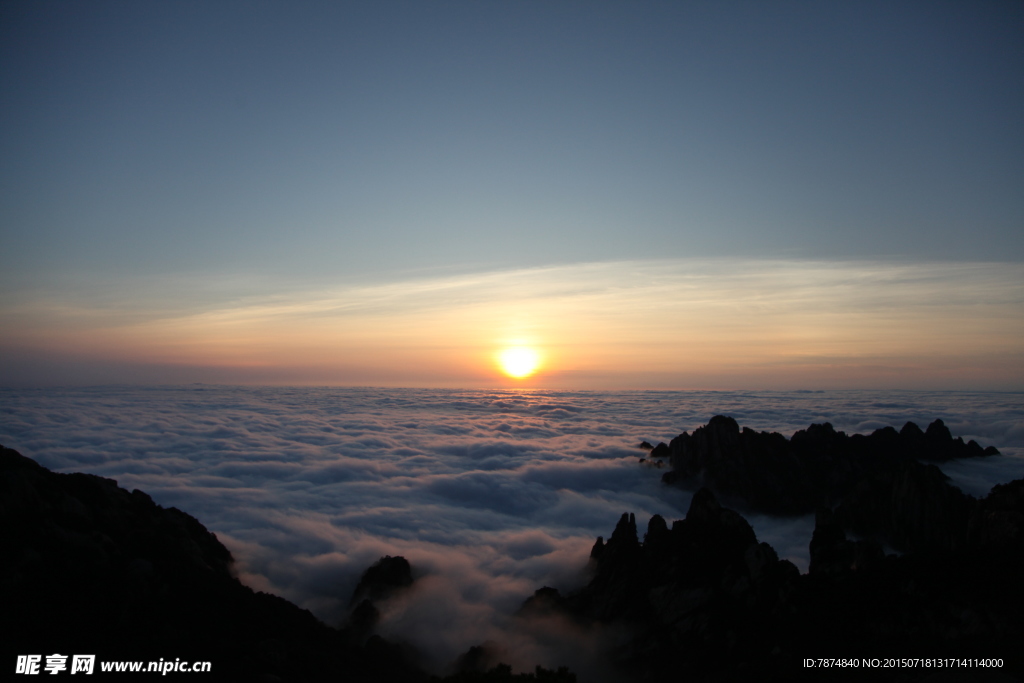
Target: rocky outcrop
(759, 468)
(832, 554)
(910, 506)
(963, 597)
(385, 579)
(937, 444)
(816, 467)
(701, 599)
(685, 591)
(881, 485)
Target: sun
(519, 361)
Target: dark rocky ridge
(704, 601)
(794, 476)
(882, 485)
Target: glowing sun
(519, 361)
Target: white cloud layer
(490, 494)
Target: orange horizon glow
(734, 324)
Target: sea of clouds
(489, 494)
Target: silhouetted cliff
(703, 600)
(882, 485)
(818, 466)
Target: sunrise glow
(519, 362)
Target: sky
(649, 195)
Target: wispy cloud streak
(660, 323)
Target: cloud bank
(490, 494)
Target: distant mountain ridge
(817, 466)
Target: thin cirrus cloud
(490, 494)
(719, 323)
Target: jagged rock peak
(911, 431)
(704, 507)
(822, 432)
(544, 601)
(724, 422)
(384, 578)
(938, 430)
(598, 550)
(625, 532)
(656, 528)
(818, 466)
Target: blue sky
(248, 149)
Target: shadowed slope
(87, 567)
